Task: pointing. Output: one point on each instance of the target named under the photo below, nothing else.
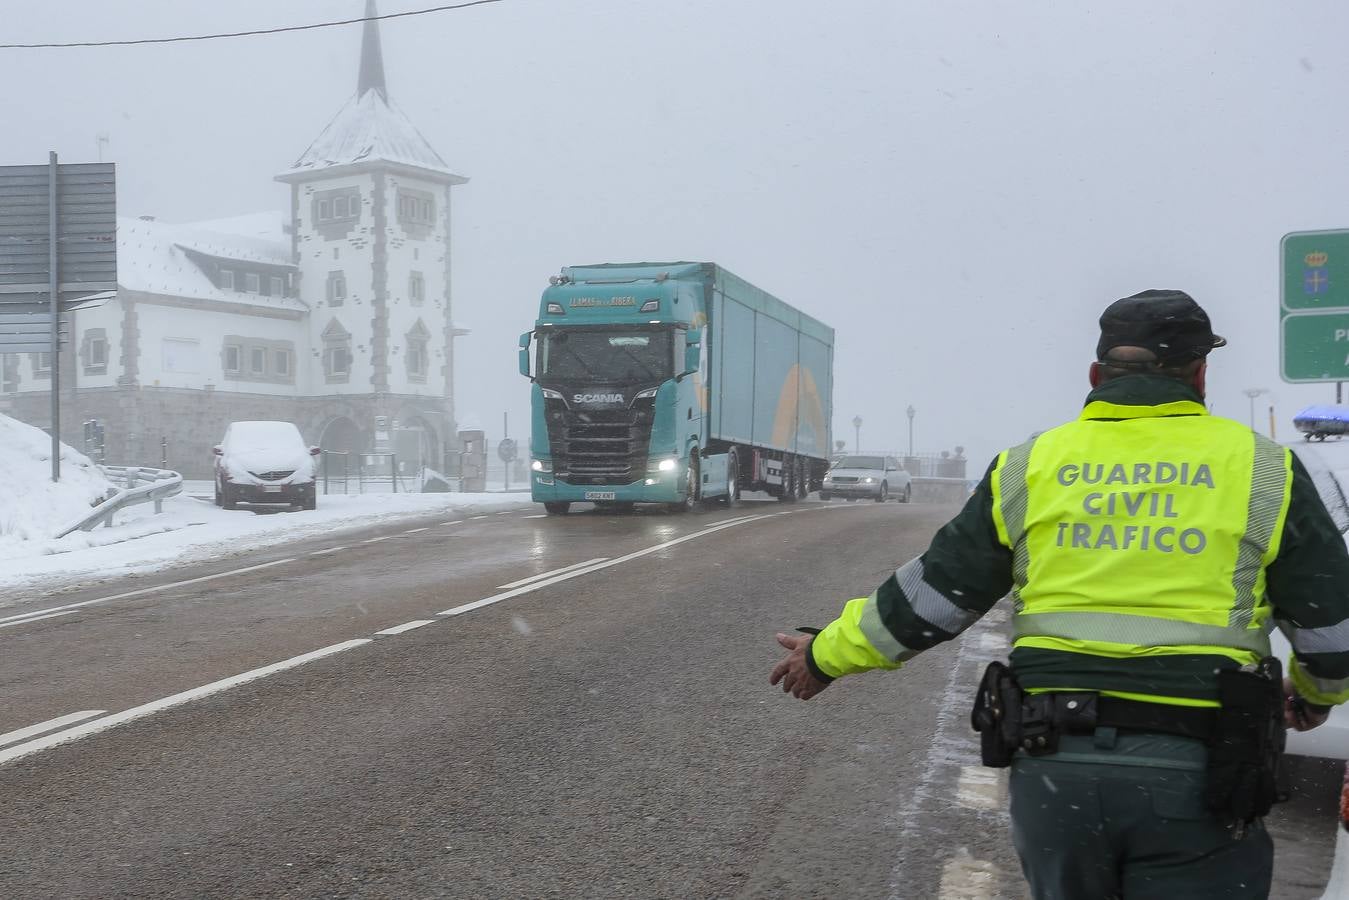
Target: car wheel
(908, 493)
(310, 498)
(884, 494)
(227, 497)
(558, 508)
(825, 495)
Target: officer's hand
(792, 670)
(1298, 714)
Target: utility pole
(857, 434)
(911, 412)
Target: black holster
(1008, 719)
(1245, 775)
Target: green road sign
(1314, 306)
(1316, 347)
(1315, 270)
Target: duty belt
(1081, 712)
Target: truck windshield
(860, 462)
(606, 355)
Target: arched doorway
(341, 435)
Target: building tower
(370, 214)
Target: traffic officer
(1147, 547)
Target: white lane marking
(34, 619)
(541, 516)
(49, 725)
(376, 540)
(406, 626)
(324, 552)
(415, 530)
(477, 517)
(506, 513)
(455, 522)
(543, 575)
(149, 590)
(497, 598)
(138, 712)
(966, 878)
(980, 788)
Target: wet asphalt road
(608, 734)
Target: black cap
(1169, 323)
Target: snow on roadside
(32, 506)
(193, 530)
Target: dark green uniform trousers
(1122, 816)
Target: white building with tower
(335, 314)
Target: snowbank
(192, 529)
(32, 506)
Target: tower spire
(372, 57)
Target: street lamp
(857, 434)
(910, 412)
(1251, 394)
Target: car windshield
(246, 436)
(606, 355)
(860, 462)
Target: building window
(42, 364)
(336, 353)
(233, 359)
(9, 372)
(257, 361)
(416, 208)
(227, 279)
(337, 206)
(281, 362)
(417, 288)
(278, 286)
(252, 283)
(181, 355)
(94, 351)
(418, 340)
(337, 288)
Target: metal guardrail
(135, 485)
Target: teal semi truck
(673, 383)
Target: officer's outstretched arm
(928, 600)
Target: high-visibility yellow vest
(1143, 531)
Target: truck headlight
(667, 465)
(649, 392)
(541, 465)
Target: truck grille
(599, 446)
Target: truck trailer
(673, 383)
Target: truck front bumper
(665, 490)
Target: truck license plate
(271, 488)
(599, 495)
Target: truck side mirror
(524, 354)
(693, 350)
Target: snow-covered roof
(154, 257)
(368, 129)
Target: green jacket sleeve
(1308, 586)
(928, 600)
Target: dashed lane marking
(448, 524)
(376, 540)
(966, 878)
(981, 788)
(41, 613)
(327, 551)
(479, 517)
(139, 712)
(24, 734)
(415, 530)
(543, 575)
(543, 516)
(991, 641)
(406, 626)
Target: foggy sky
(957, 188)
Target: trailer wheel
(802, 479)
(788, 492)
(556, 508)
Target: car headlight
(868, 481)
(541, 465)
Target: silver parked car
(869, 477)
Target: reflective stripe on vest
(1143, 531)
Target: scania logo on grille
(597, 398)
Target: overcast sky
(958, 188)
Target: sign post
(58, 249)
(1314, 307)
